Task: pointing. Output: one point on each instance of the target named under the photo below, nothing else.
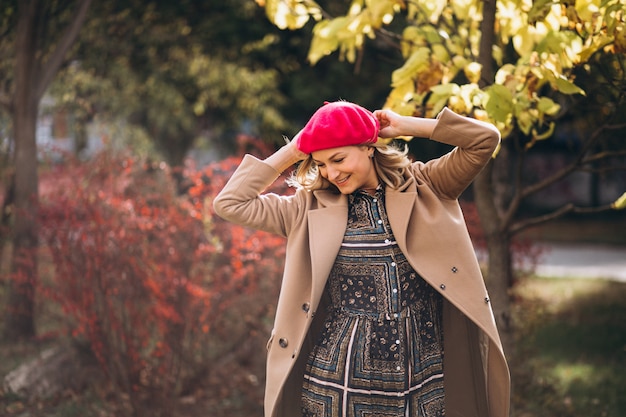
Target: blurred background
(122, 294)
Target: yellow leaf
(418, 62)
(441, 53)
(472, 72)
(440, 96)
(325, 40)
(523, 41)
(544, 135)
(547, 106)
(382, 11)
(525, 121)
(620, 203)
(464, 9)
(290, 14)
(412, 37)
(598, 42)
(497, 150)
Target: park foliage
(144, 271)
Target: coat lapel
(327, 225)
(399, 205)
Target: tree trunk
(500, 270)
(34, 71)
(20, 303)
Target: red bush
(143, 273)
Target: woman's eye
(337, 161)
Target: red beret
(337, 124)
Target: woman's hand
(393, 125)
(389, 123)
(293, 146)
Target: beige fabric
(429, 227)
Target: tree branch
(603, 155)
(51, 67)
(559, 175)
(568, 208)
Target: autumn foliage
(145, 273)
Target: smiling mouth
(342, 181)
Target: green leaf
(568, 87)
(498, 103)
(539, 10)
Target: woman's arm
(392, 125)
(474, 142)
(242, 200)
(286, 156)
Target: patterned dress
(380, 352)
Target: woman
(383, 310)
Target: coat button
(486, 300)
(283, 343)
(454, 269)
(442, 286)
(306, 307)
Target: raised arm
(242, 200)
(286, 156)
(450, 174)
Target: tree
(510, 62)
(179, 72)
(43, 33)
(196, 73)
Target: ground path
(582, 261)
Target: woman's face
(349, 168)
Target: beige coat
(429, 227)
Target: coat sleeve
(474, 143)
(242, 201)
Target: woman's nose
(332, 173)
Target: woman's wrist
(284, 157)
(419, 126)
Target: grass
(571, 348)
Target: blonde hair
(390, 162)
